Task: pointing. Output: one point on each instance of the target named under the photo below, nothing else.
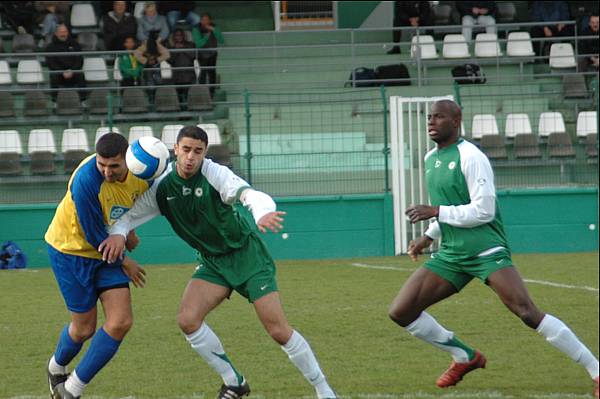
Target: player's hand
(135, 272)
(112, 248)
(417, 213)
(415, 248)
(271, 221)
(132, 241)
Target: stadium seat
(1, 42)
(505, 13)
(29, 72)
(98, 102)
(83, 16)
(41, 149)
(483, 125)
(116, 71)
(213, 132)
(493, 146)
(88, 41)
(551, 122)
(196, 68)
(517, 124)
(68, 103)
(134, 100)
(442, 14)
(574, 86)
(5, 76)
(102, 130)
(166, 70)
(560, 145)
(74, 148)
(426, 46)
(455, 46)
(138, 10)
(591, 145)
(10, 152)
(587, 123)
(519, 45)
(216, 150)
(199, 98)
(23, 43)
(166, 100)
(7, 108)
(562, 56)
(135, 132)
(526, 146)
(486, 45)
(94, 69)
(36, 104)
(169, 135)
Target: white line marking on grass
(365, 266)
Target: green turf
(341, 309)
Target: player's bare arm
(135, 272)
(112, 248)
(416, 247)
(416, 213)
(271, 221)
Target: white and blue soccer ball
(147, 157)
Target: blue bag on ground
(11, 256)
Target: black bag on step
(362, 77)
(393, 75)
(468, 74)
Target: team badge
(117, 211)
(198, 192)
(452, 165)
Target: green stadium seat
(68, 103)
(134, 100)
(591, 145)
(526, 146)
(36, 104)
(41, 149)
(10, 152)
(199, 98)
(493, 146)
(75, 148)
(560, 145)
(166, 100)
(7, 108)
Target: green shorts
(460, 274)
(249, 270)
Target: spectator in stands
(477, 13)
(550, 11)
(20, 15)
(118, 24)
(65, 70)
(589, 47)
(151, 53)
(151, 21)
(176, 10)
(409, 13)
(129, 64)
(206, 38)
(52, 19)
(183, 64)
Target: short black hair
(193, 132)
(207, 15)
(111, 144)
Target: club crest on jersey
(198, 192)
(452, 165)
(186, 191)
(438, 163)
(117, 211)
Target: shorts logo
(186, 191)
(117, 211)
(199, 267)
(264, 287)
(198, 192)
(438, 163)
(452, 165)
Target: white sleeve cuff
(258, 203)
(433, 231)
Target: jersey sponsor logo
(438, 163)
(452, 165)
(198, 192)
(117, 211)
(186, 191)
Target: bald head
(450, 107)
(443, 122)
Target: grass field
(341, 307)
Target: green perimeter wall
(351, 14)
(541, 220)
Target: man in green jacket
(207, 36)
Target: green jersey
(199, 209)
(461, 182)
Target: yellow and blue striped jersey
(90, 205)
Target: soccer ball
(147, 157)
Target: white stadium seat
(41, 140)
(425, 45)
(562, 56)
(10, 141)
(116, 71)
(135, 132)
(94, 69)
(83, 16)
(214, 135)
(138, 10)
(551, 122)
(5, 76)
(29, 72)
(455, 46)
(519, 45)
(166, 70)
(102, 130)
(587, 123)
(517, 124)
(486, 45)
(483, 125)
(169, 135)
(74, 140)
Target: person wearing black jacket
(65, 70)
(477, 13)
(182, 63)
(117, 25)
(589, 47)
(409, 13)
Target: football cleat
(234, 392)
(596, 387)
(60, 392)
(54, 380)
(457, 371)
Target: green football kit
(204, 211)
(473, 243)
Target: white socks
(74, 385)
(559, 335)
(429, 330)
(302, 356)
(55, 368)
(207, 344)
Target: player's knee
(82, 333)
(187, 323)
(400, 315)
(118, 328)
(280, 333)
(528, 313)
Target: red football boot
(457, 371)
